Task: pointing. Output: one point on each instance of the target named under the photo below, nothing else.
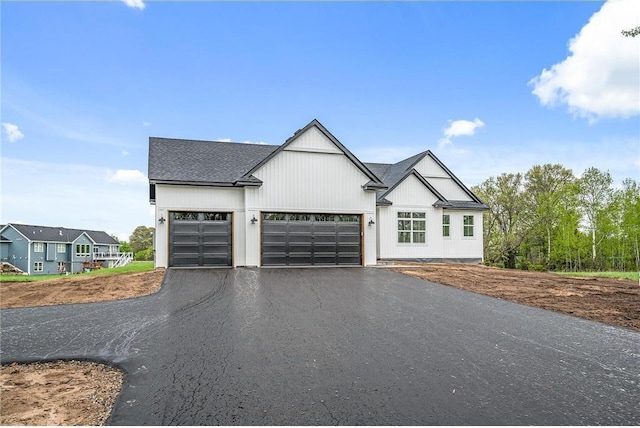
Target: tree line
(549, 219)
(140, 243)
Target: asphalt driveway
(345, 346)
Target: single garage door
(292, 239)
(199, 239)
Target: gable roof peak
(374, 183)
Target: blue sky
(489, 87)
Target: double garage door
(293, 239)
(287, 239)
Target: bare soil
(79, 289)
(608, 300)
(65, 392)
(85, 392)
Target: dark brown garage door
(199, 239)
(293, 239)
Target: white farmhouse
(307, 202)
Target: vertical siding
(449, 189)
(459, 246)
(427, 167)
(314, 182)
(313, 140)
(411, 192)
(440, 179)
(411, 195)
(198, 198)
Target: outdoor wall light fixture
(253, 220)
(371, 222)
(161, 220)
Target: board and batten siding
(313, 140)
(449, 189)
(204, 199)
(441, 180)
(413, 196)
(312, 175)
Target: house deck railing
(107, 255)
(124, 259)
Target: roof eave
(193, 183)
(371, 185)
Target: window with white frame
(37, 267)
(412, 227)
(38, 247)
(446, 225)
(61, 248)
(83, 249)
(61, 267)
(467, 222)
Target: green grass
(130, 268)
(633, 276)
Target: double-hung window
(467, 221)
(37, 267)
(446, 225)
(412, 227)
(61, 248)
(38, 247)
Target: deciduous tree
(594, 194)
(141, 238)
(546, 189)
(507, 221)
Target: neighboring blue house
(38, 250)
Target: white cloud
(136, 4)
(75, 196)
(224, 140)
(126, 177)
(124, 153)
(459, 128)
(601, 76)
(146, 124)
(12, 132)
(261, 143)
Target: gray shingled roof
(61, 234)
(226, 164)
(192, 161)
(393, 174)
(461, 205)
(231, 164)
(379, 169)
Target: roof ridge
(213, 141)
